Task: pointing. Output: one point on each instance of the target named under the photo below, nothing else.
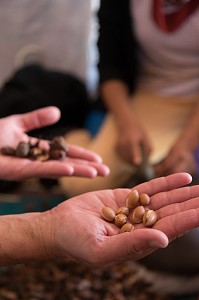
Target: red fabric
(170, 22)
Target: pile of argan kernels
(57, 150)
(135, 212)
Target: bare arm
(53, 234)
(130, 133)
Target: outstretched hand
(81, 234)
(79, 161)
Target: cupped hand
(80, 233)
(79, 161)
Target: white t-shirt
(170, 61)
(60, 28)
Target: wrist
(24, 238)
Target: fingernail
(154, 244)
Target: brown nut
(120, 220)
(57, 154)
(150, 218)
(123, 210)
(59, 143)
(108, 213)
(132, 199)
(8, 151)
(126, 228)
(144, 199)
(137, 214)
(22, 149)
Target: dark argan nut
(22, 149)
(123, 210)
(132, 199)
(144, 199)
(150, 218)
(108, 213)
(137, 214)
(126, 228)
(59, 142)
(120, 220)
(8, 151)
(57, 154)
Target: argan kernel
(132, 199)
(123, 210)
(108, 213)
(137, 214)
(150, 218)
(120, 220)
(144, 199)
(126, 228)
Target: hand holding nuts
(57, 150)
(134, 212)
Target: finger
(82, 153)
(91, 170)
(176, 208)
(24, 168)
(175, 196)
(178, 224)
(136, 154)
(133, 245)
(39, 118)
(162, 184)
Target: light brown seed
(120, 220)
(132, 199)
(126, 228)
(108, 213)
(36, 151)
(144, 199)
(150, 218)
(123, 210)
(137, 214)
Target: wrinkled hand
(79, 162)
(79, 232)
(177, 160)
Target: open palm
(80, 233)
(79, 161)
